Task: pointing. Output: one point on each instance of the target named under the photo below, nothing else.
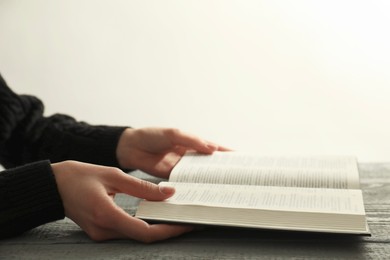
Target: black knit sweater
(29, 142)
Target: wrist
(122, 151)
(31, 204)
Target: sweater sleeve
(28, 143)
(28, 198)
(27, 136)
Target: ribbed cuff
(28, 198)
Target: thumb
(130, 185)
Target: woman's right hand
(87, 192)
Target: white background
(271, 77)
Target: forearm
(28, 198)
(27, 136)
(63, 138)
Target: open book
(317, 194)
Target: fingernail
(166, 190)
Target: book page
(268, 198)
(246, 169)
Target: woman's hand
(87, 192)
(157, 150)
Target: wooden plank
(199, 247)
(64, 239)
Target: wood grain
(64, 239)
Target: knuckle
(145, 185)
(172, 132)
(116, 171)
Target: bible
(314, 194)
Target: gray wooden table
(64, 240)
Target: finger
(178, 137)
(103, 234)
(123, 183)
(137, 229)
(158, 232)
(224, 149)
(115, 223)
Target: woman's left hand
(157, 150)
